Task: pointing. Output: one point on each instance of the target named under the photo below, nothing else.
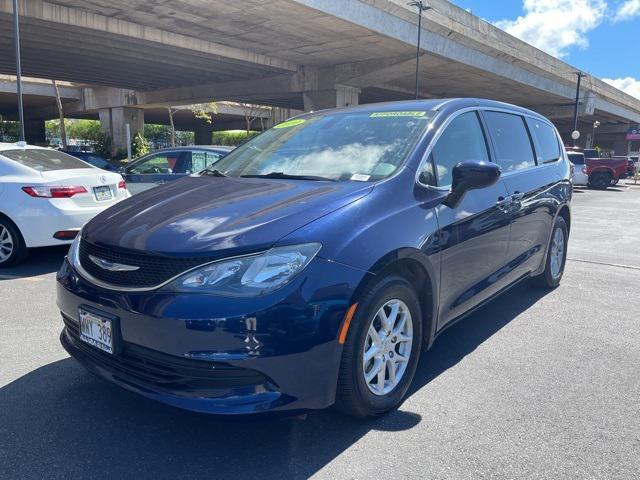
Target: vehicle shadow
(39, 262)
(60, 421)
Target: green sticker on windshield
(398, 114)
(290, 123)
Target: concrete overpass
(40, 104)
(295, 54)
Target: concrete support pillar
(203, 135)
(339, 97)
(114, 121)
(34, 132)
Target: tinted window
(462, 140)
(201, 159)
(576, 158)
(44, 160)
(545, 139)
(163, 162)
(511, 139)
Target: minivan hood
(218, 216)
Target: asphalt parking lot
(534, 385)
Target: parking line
(632, 267)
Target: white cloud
(626, 11)
(628, 85)
(555, 25)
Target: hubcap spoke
(387, 347)
(6, 243)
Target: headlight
(248, 276)
(74, 251)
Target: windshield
(336, 146)
(44, 160)
(576, 158)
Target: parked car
(579, 175)
(46, 196)
(170, 164)
(603, 172)
(312, 265)
(92, 159)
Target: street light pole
(16, 30)
(421, 8)
(575, 107)
(596, 124)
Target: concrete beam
(43, 88)
(374, 72)
(339, 97)
(73, 17)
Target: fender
(431, 271)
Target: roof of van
(431, 104)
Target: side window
(463, 139)
(512, 144)
(198, 160)
(545, 139)
(201, 160)
(159, 163)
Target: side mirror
(471, 175)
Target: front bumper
(220, 355)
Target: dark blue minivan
(313, 264)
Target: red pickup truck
(603, 172)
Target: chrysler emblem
(112, 266)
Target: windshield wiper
(213, 173)
(289, 176)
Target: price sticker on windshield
(413, 114)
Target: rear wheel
(12, 247)
(556, 256)
(381, 352)
(600, 180)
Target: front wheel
(381, 351)
(556, 256)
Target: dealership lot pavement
(534, 385)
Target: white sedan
(46, 196)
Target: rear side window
(463, 139)
(201, 160)
(545, 139)
(511, 141)
(576, 158)
(44, 160)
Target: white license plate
(96, 331)
(102, 193)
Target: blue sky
(601, 37)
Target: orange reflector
(346, 323)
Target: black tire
(547, 279)
(600, 180)
(18, 249)
(354, 396)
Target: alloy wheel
(6, 243)
(387, 347)
(557, 253)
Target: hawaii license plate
(103, 193)
(96, 331)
